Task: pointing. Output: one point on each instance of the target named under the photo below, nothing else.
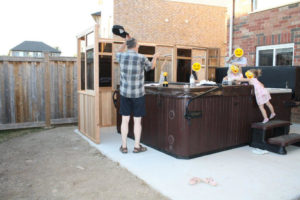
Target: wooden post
(78, 78)
(174, 64)
(96, 83)
(47, 92)
(206, 64)
(85, 64)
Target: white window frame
(274, 47)
(271, 6)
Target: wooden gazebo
(98, 74)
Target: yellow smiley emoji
(238, 52)
(165, 74)
(234, 69)
(196, 66)
(249, 74)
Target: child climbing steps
(262, 95)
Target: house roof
(35, 46)
(96, 13)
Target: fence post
(47, 92)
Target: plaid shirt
(132, 67)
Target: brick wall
(270, 27)
(159, 21)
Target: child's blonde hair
(256, 72)
(240, 70)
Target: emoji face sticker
(249, 74)
(165, 73)
(196, 67)
(234, 69)
(238, 52)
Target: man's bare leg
(124, 130)
(137, 131)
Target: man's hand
(156, 55)
(128, 37)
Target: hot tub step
(285, 140)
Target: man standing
(237, 58)
(132, 66)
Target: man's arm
(242, 62)
(242, 80)
(154, 60)
(123, 46)
(230, 58)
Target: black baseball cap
(119, 30)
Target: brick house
(268, 31)
(33, 49)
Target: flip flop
(140, 149)
(123, 150)
(210, 181)
(194, 181)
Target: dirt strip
(58, 164)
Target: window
(213, 57)
(35, 54)
(184, 58)
(149, 75)
(15, 53)
(105, 64)
(105, 47)
(275, 55)
(90, 69)
(148, 51)
(82, 63)
(268, 4)
(90, 38)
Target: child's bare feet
(272, 115)
(265, 120)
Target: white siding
(107, 13)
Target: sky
(54, 22)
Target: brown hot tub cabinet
(223, 121)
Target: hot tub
(225, 121)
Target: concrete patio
(239, 172)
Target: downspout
(231, 28)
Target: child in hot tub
(234, 73)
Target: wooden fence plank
(47, 91)
(22, 125)
(7, 94)
(64, 97)
(12, 94)
(64, 121)
(75, 95)
(41, 73)
(2, 95)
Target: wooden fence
(37, 92)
